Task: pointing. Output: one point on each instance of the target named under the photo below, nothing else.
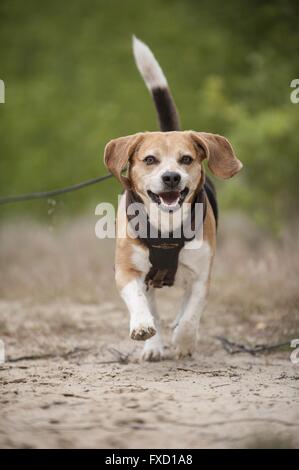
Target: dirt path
(85, 394)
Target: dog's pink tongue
(169, 197)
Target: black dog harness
(164, 251)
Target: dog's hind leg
(176, 321)
(153, 349)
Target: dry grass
(254, 286)
(42, 263)
(256, 279)
(58, 295)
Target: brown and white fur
(147, 157)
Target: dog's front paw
(184, 340)
(142, 332)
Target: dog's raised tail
(156, 82)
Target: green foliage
(71, 85)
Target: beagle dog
(164, 172)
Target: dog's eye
(150, 160)
(186, 160)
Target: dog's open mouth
(169, 199)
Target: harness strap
(164, 251)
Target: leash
(54, 192)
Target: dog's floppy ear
(222, 160)
(117, 154)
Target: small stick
(47, 356)
(235, 348)
(121, 357)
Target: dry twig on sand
(235, 348)
(39, 357)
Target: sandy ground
(73, 377)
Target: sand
(73, 377)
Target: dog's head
(167, 167)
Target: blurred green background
(71, 85)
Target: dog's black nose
(171, 179)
